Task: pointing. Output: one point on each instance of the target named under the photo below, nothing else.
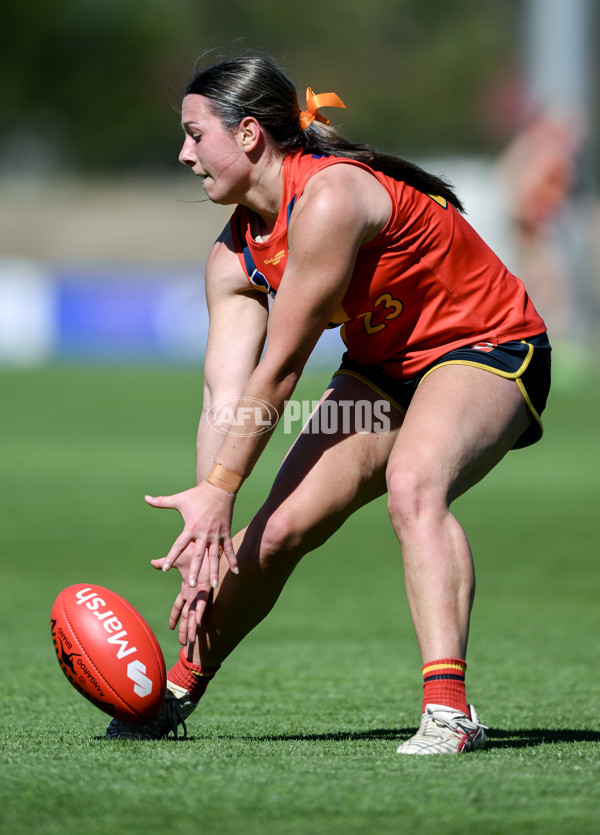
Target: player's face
(212, 151)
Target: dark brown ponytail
(254, 86)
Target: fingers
(183, 624)
(176, 611)
(214, 561)
(191, 602)
(210, 552)
(196, 552)
(181, 543)
(196, 563)
(200, 602)
(187, 611)
(184, 613)
(230, 555)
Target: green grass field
(298, 732)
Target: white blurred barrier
(27, 313)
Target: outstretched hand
(190, 604)
(207, 513)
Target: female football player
(435, 327)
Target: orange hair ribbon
(313, 103)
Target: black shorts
(526, 361)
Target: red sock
(190, 676)
(444, 684)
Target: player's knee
(413, 496)
(281, 540)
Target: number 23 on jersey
(385, 308)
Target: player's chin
(207, 182)
(216, 195)
(218, 201)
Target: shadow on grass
(528, 738)
(531, 737)
(496, 738)
(338, 736)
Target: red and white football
(108, 652)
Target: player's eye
(194, 135)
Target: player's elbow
(283, 376)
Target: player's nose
(186, 155)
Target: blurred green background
(90, 83)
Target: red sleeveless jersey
(425, 285)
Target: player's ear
(249, 133)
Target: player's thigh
(460, 424)
(336, 465)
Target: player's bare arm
(238, 317)
(237, 328)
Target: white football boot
(175, 709)
(444, 730)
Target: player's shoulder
(304, 169)
(347, 189)
(223, 251)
